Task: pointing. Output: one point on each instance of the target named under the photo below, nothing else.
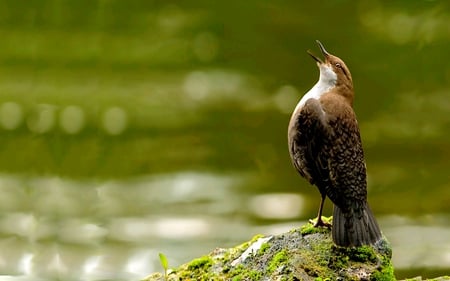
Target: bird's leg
(320, 222)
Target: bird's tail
(355, 228)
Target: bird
(325, 148)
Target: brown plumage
(326, 149)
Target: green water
(129, 128)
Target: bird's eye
(338, 65)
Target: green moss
(197, 269)
(386, 272)
(234, 252)
(442, 278)
(315, 265)
(338, 262)
(242, 247)
(357, 254)
(342, 256)
(309, 228)
(263, 248)
(241, 273)
(279, 259)
(364, 253)
(255, 275)
(202, 263)
(288, 257)
(237, 272)
(254, 239)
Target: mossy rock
(306, 253)
(442, 278)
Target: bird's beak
(322, 49)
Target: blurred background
(129, 128)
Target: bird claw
(318, 222)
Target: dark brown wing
(346, 162)
(327, 151)
(353, 221)
(307, 137)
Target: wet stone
(300, 254)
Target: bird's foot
(318, 222)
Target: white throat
(327, 81)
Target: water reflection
(108, 218)
(120, 226)
(144, 228)
(277, 206)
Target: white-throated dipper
(326, 149)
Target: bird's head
(333, 70)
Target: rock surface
(307, 253)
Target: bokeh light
(72, 119)
(42, 119)
(11, 115)
(114, 120)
